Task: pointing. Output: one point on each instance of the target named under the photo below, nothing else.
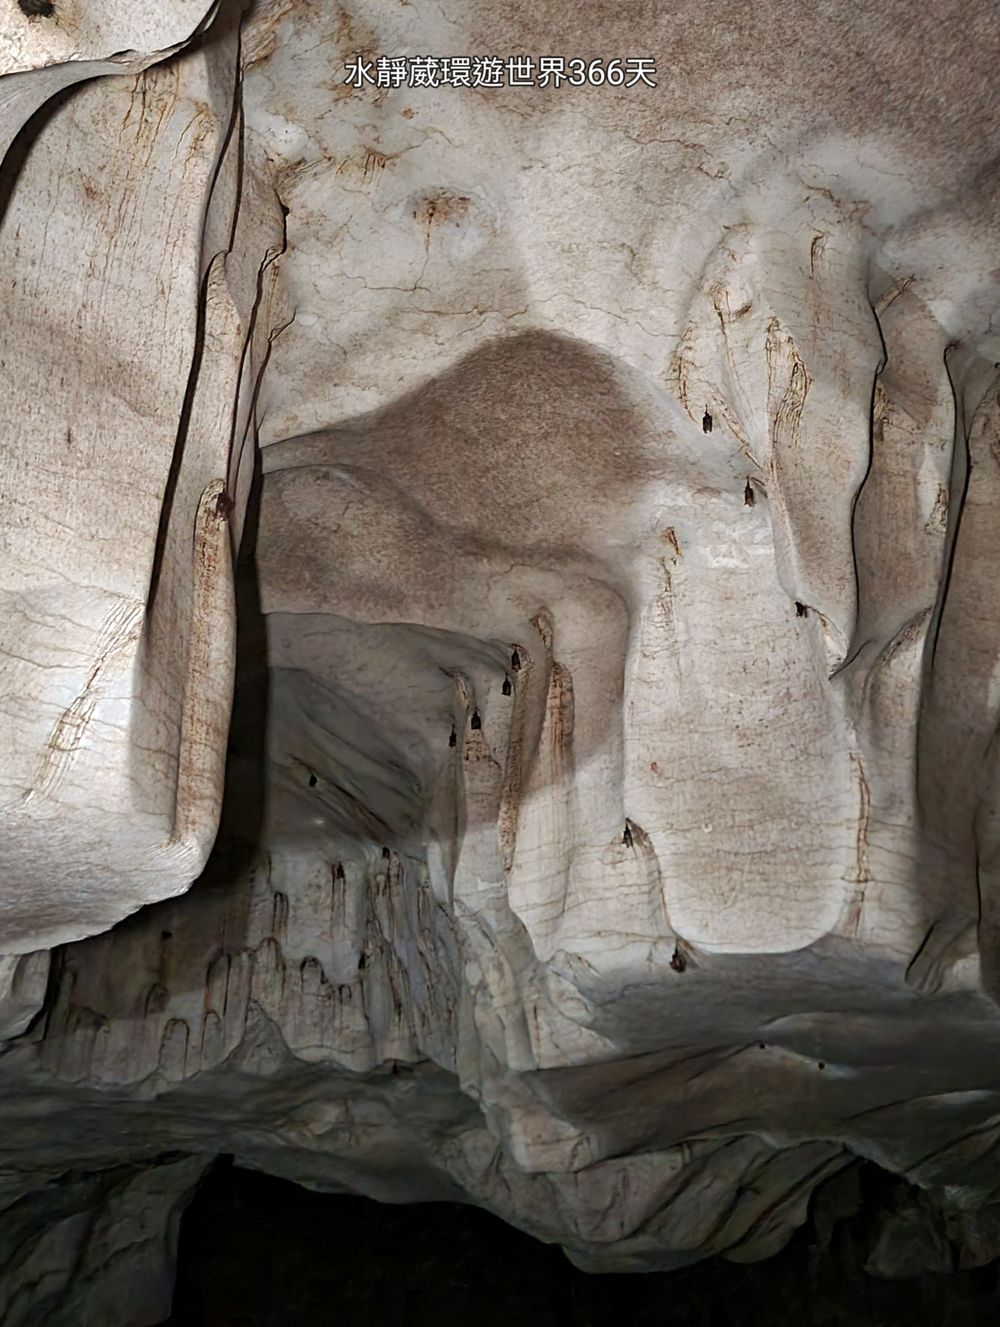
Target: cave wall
(552, 531)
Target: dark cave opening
(256, 1251)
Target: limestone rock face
(594, 490)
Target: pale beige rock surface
(611, 835)
(129, 373)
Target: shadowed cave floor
(261, 1252)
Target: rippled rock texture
(593, 493)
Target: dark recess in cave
(260, 1252)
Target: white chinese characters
(475, 71)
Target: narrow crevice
(961, 474)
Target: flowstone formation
(593, 490)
